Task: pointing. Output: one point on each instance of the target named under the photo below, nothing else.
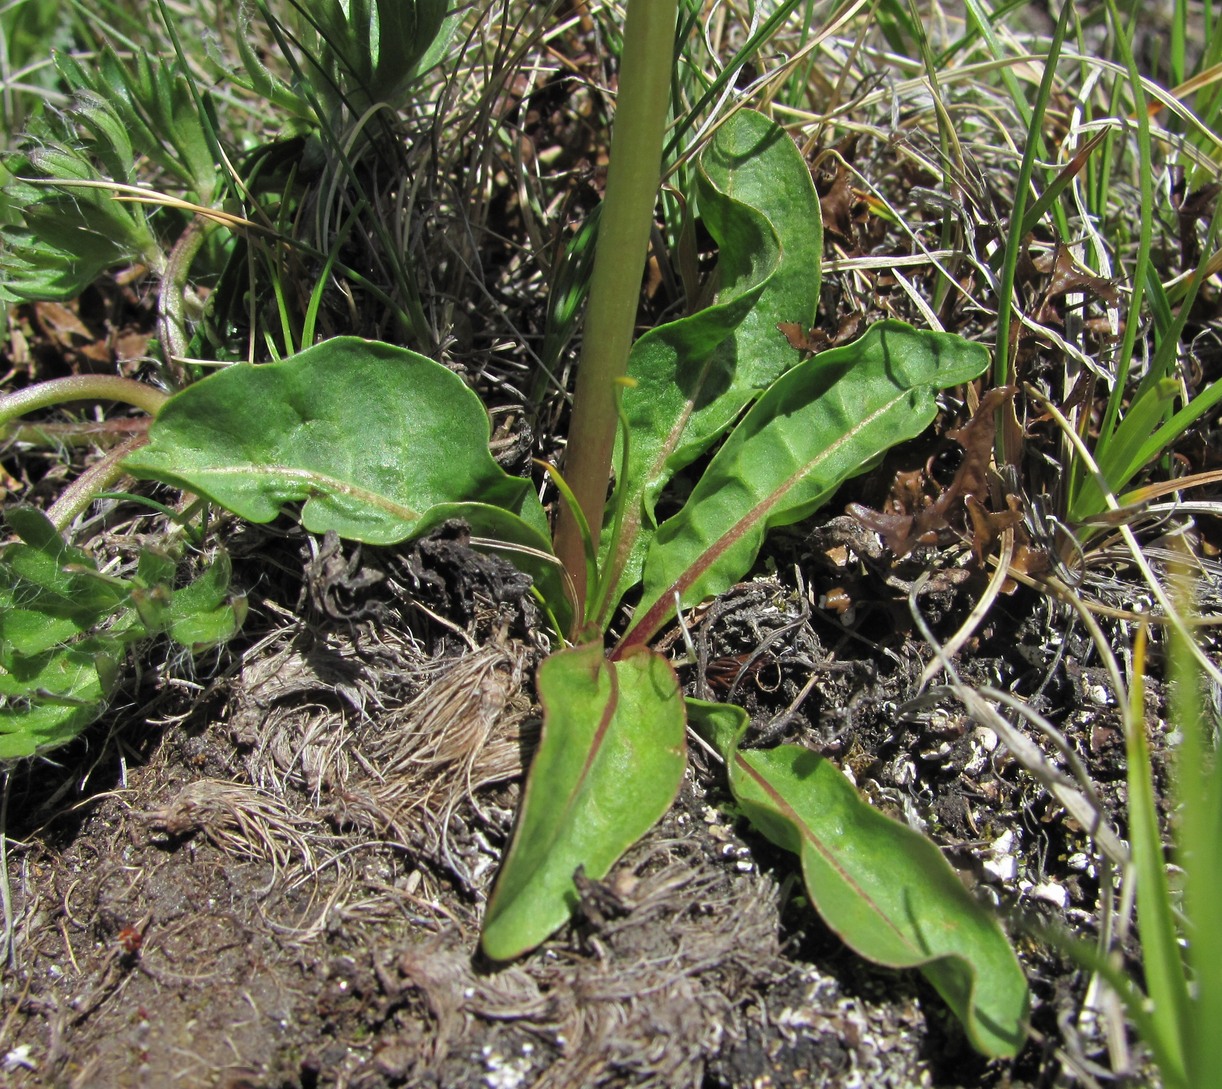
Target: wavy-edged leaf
(693, 376)
(822, 422)
(368, 437)
(884, 889)
(609, 764)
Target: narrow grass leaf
(1198, 783)
(366, 436)
(826, 420)
(1166, 981)
(883, 888)
(609, 764)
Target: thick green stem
(623, 238)
(84, 387)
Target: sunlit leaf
(366, 436)
(883, 888)
(608, 766)
(824, 421)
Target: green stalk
(623, 237)
(84, 387)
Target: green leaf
(694, 376)
(1122, 454)
(824, 421)
(152, 100)
(370, 49)
(1139, 441)
(609, 764)
(1161, 957)
(49, 699)
(205, 613)
(883, 888)
(367, 436)
(49, 591)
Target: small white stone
(1051, 892)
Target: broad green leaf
(694, 376)
(883, 888)
(824, 421)
(368, 437)
(49, 590)
(609, 764)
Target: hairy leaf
(883, 888)
(366, 436)
(693, 376)
(824, 421)
(609, 764)
(64, 626)
(46, 700)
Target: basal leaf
(366, 436)
(693, 376)
(205, 612)
(885, 889)
(824, 421)
(609, 763)
(47, 700)
(50, 590)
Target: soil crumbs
(275, 877)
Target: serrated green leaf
(693, 376)
(67, 234)
(884, 889)
(609, 764)
(821, 423)
(368, 437)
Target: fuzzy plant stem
(83, 387)
(619, 260)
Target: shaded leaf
(824, 421)
(609, 764)
(205, 612)
(524, 545)
(883, 888)
(50, 698)
(366, 436)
